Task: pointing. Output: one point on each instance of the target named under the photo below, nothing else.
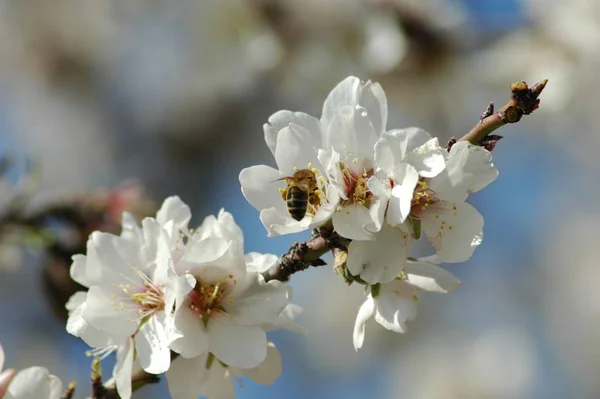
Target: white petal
(235, 345)
(287, 319)
(429, 159)
(342, 95)
(103, 313)
(295, 149)
(222, 226)
(395, 305)
(218, 383)
(204, 252)
(119, 258)
(129, 227)
(257, 262)
(277, 223)
(468, 169)
(194, 341)
(35, 383)
(364, 313)
(282, 119)
(260, 303)
(186, 376)
(416, 137)
(268, 371)
(351, 134)
(390, 149)
(152, 344)
(352, 221)
(382, 259)
(406, 178)
(124, 369)
(431, 278)
(260, 186)
(454, 232)
(173, 208)
(379, 204)
(79, 327)
(87, 270)
(373, 99)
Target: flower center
(148, 297)
(355, 184)
(208, 299)
(305, 191)
(423, 198)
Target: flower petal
(406, 178)
(379, 204)
(395, 305)
(468, 169)
(5, 379)
(35, 383)
(277, 223)
(373, 99)
(123, 369)
(268, 371)
(342, 95)
(194, 341)
(454, 232)
(260, 186)
(429, 159)
(364, 313)
(431, 278)
(260, 303)
(235, 345)
(351, 222)
(100, 312)
(174, 209)
(283, 119)
(351, 133)
(186, 376)
(257, 262)
(152, 344)
(390, 149)
(79, 327)
(416, 137)
(295, 149)
(382, 259)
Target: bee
(301, 191)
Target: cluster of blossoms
(163, 288)
(380, 189)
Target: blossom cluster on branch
(190, 304)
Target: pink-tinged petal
(429, 159)
(278, 224)
(260, 186)
(343, 95)
(186, 376)
(352, 221)
(416, 137)
(455, 229)
(295, 149)
(431, 278)
(35, 383)
(123, 369)
(2, 357)
(175, 210)
(380, 260)
(257, 262)
(406, 178)
(152, 344)
(268, 371)
(194, 341)
(283, 119)
(395, 305)
(364, 313)
(235, 345)
(103, 311)
(351, 134)
(390, 149)
(468, 169)
(373, 99)
(5, 379)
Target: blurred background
(174, 95)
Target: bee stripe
(296, 203)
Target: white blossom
(394, 303)
(34, 383)
(230, 305)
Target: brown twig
(523, 101)
(70, 390)
(303, 255)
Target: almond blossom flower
(425, 193)
(393, 304)
(354, 116)
(227, 310)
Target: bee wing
(283, 178)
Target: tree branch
(523, 101)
